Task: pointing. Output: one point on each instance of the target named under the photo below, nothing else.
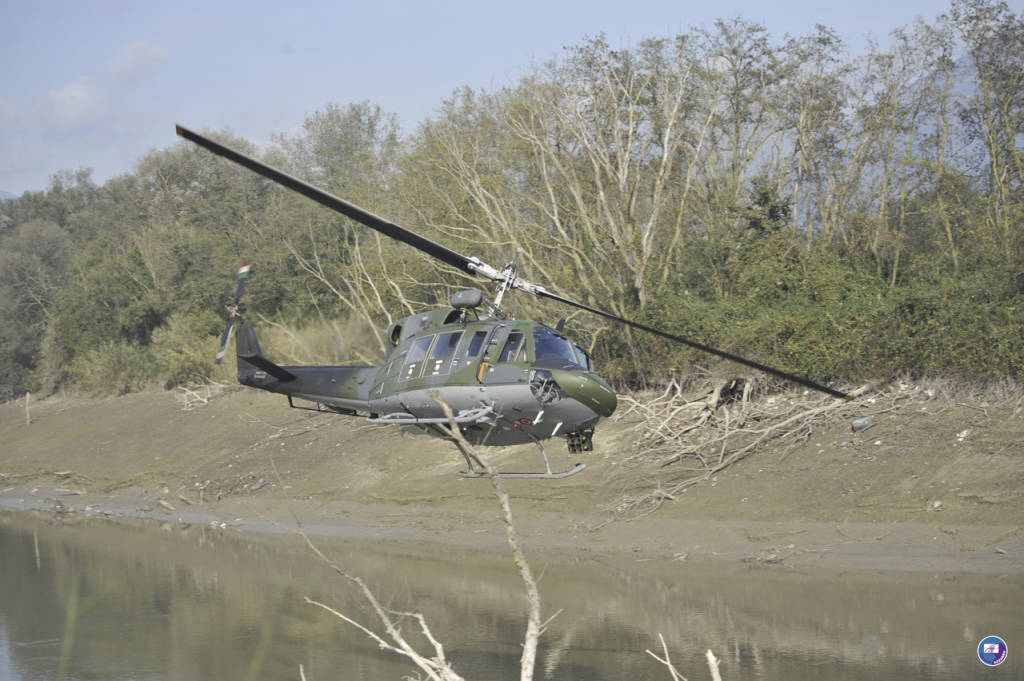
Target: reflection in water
(95, 600)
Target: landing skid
(536, 476)
(548, 474)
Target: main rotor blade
(472, 266)
(700, 346)
(445, 255)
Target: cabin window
(445, 346)
(394, 365)
(549, 345)
(440, 357)
(508, 353)
(414, 358)
(419, 350)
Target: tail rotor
(243, 275)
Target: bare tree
(994, 112)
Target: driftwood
(686, 440)
(433, 663)
(676, 676)
(199, 392)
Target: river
(87, 599)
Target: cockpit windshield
(547, 344)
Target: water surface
(95, 600)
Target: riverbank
(936, 487)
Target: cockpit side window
(475, 344)
(586, 361)
(469, 349)
(508, 352)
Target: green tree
(32, 262)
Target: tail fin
(253, 367)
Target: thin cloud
(78, 104)
(136, 59)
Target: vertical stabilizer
(253, 367)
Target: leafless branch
(533, 623)
(685, 441)
(676, 676)
(436, 666)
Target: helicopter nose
(587, 389)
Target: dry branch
(533, 623)
(685, 441)
(199, 392)
(435, 666)
(667, 661)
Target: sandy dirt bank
(917, 493)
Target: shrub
(114, 367)
(185, 346)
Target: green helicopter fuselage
(505, 381)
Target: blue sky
(99, 83)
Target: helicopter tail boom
(342, 389)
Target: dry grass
(319, 341)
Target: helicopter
(504, 381)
